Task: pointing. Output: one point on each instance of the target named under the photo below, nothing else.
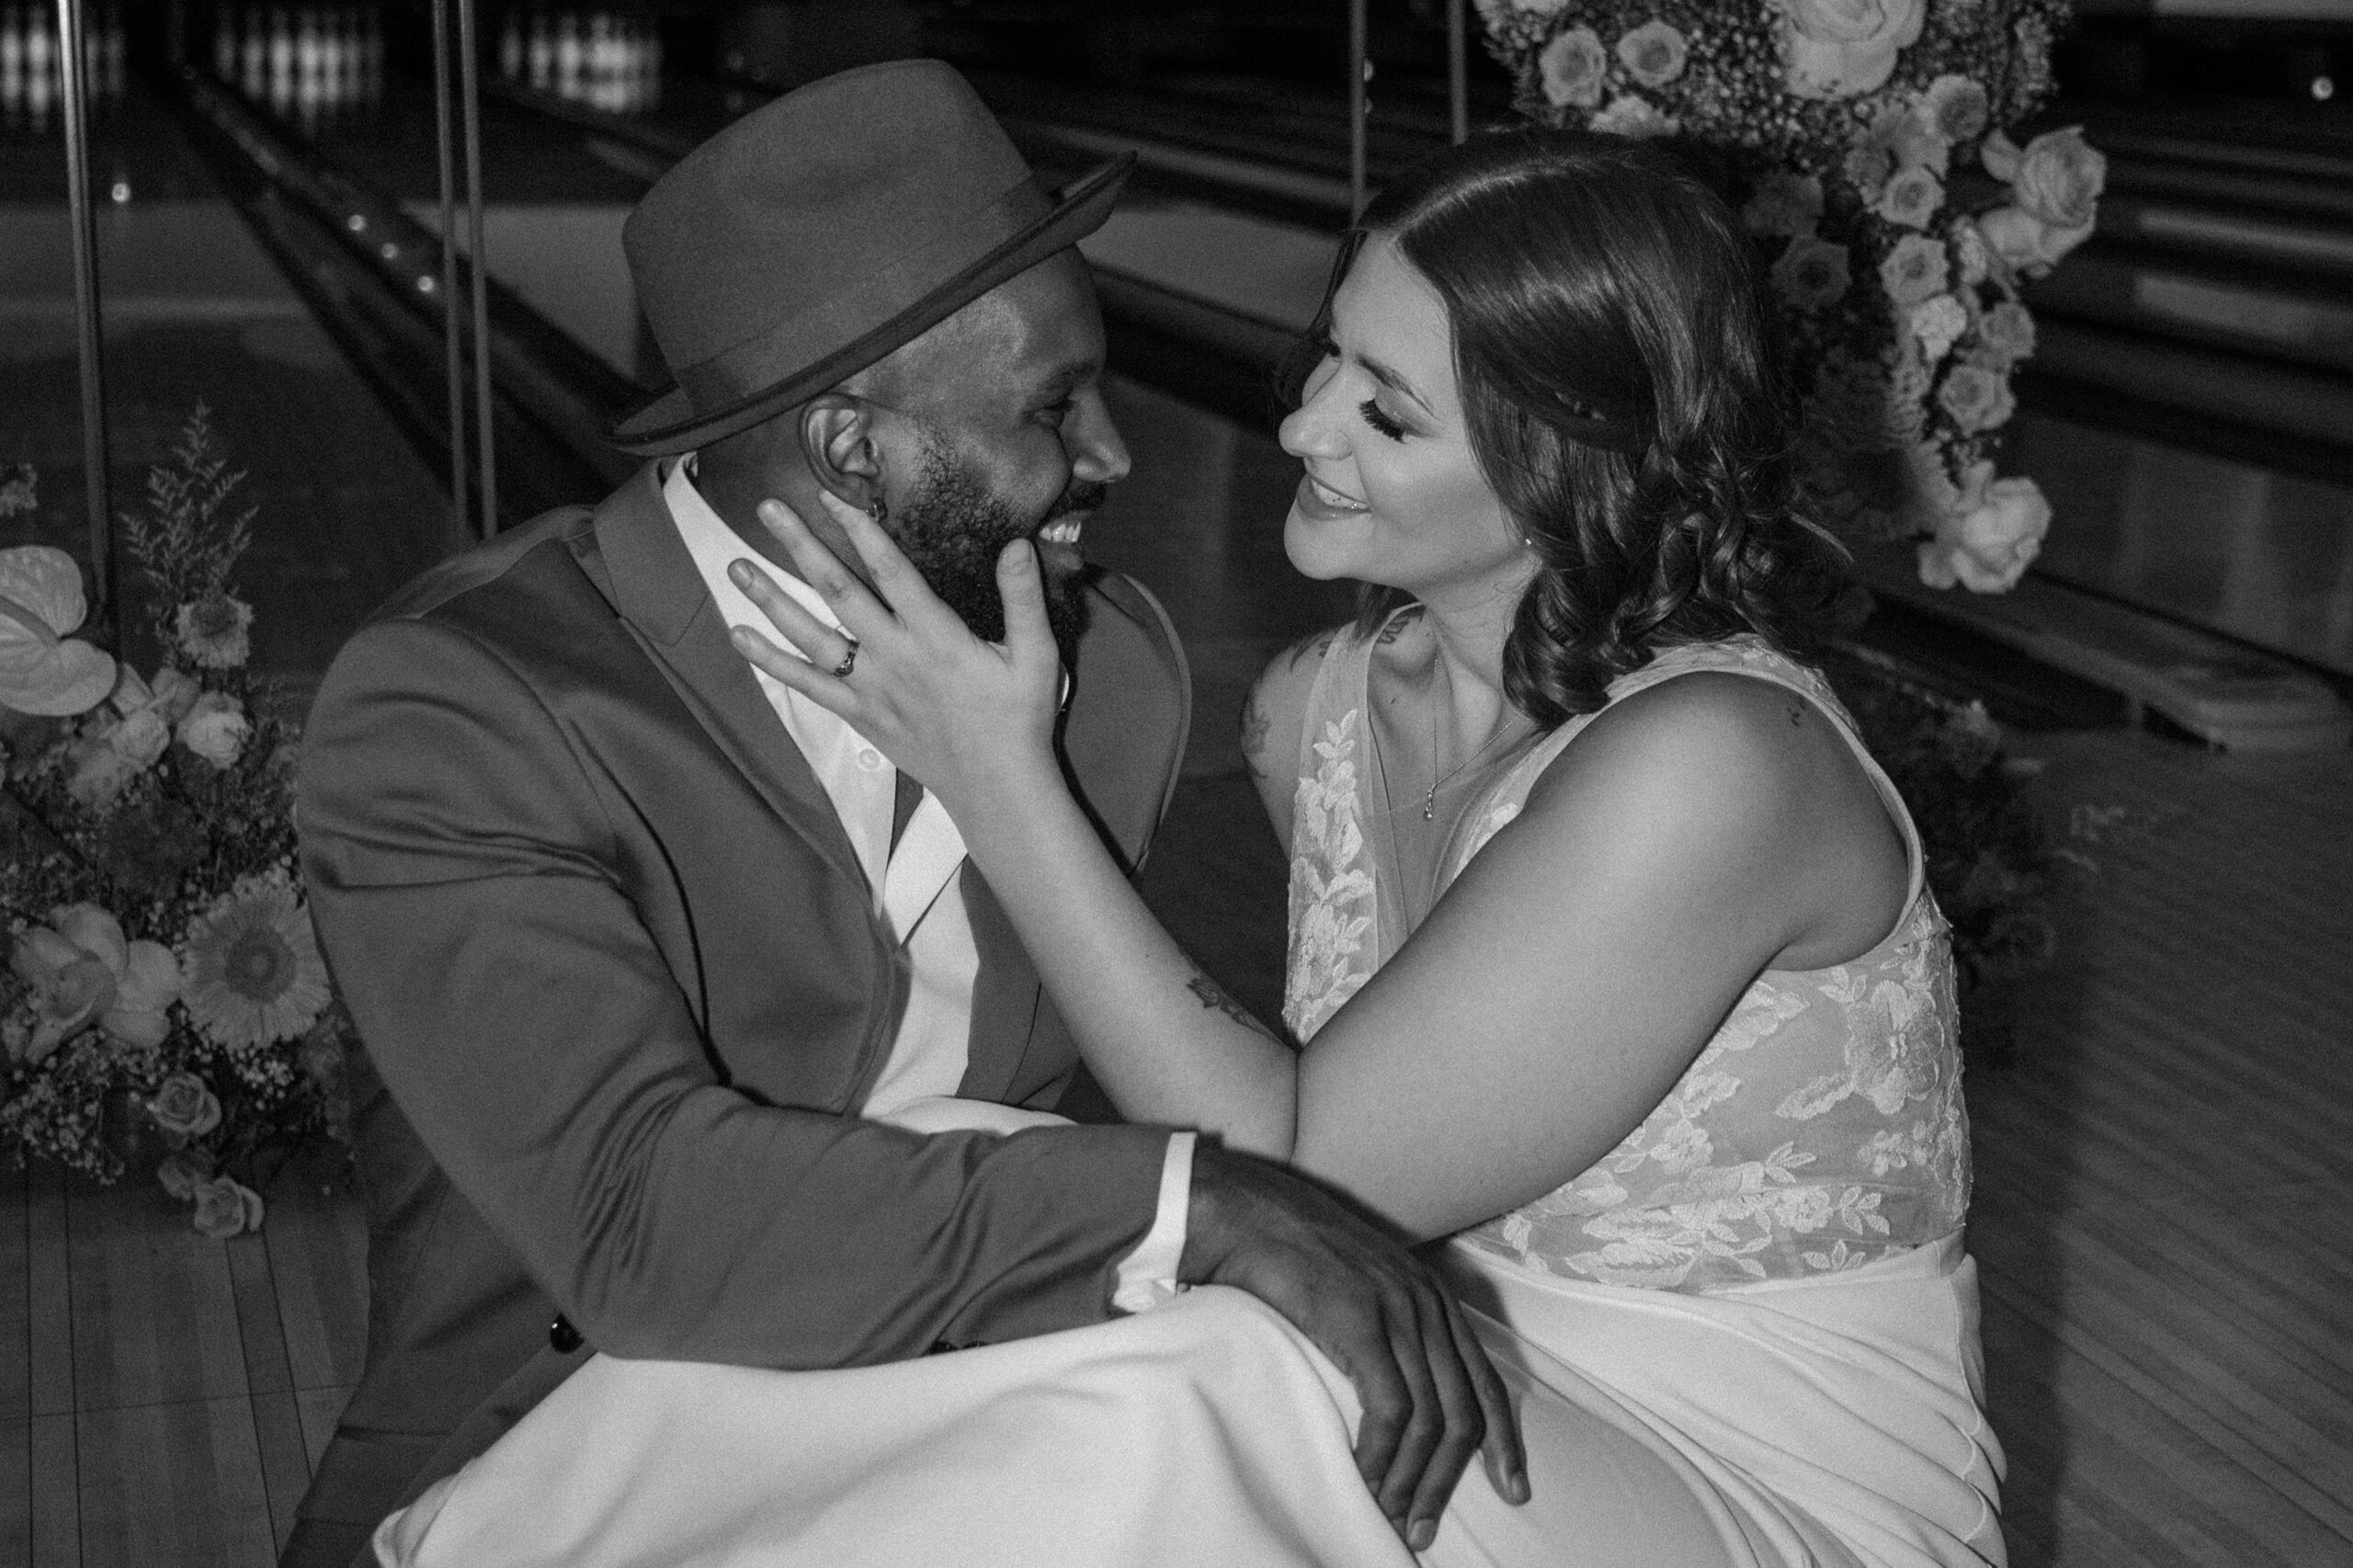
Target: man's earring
(878, 511)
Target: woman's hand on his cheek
(963, 716)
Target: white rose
(1571, 67)
(1836, 48)
(1939, 323)
(2024, 244)
(2060, 178)
(142, 736)
(1988, 542)
(216, 729)
(176, 692)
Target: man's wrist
(1146, 1277)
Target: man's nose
(1099, 454)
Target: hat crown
(793, 215)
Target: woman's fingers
(887, 567)
(1021, 585)
(822, 570)
(791, 670)
(821, 644)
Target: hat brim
(670, 425)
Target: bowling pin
(12, 64)
(568, 57)
(254, 49)
(510, 48)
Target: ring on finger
(849, 658)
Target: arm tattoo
(1310, 648)
(1212, 997)
(1256, 723)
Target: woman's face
(1393, 494)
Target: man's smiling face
(992, 428)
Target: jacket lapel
(643, 567)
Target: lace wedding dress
(1748, 1335)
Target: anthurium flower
(42, 669)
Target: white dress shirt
(915, 887)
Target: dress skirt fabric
(1828, 1421)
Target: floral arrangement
(1989, 859)
(1869, 147)
(164, 997)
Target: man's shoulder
(532, 561)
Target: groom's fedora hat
(818, 233)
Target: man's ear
(838, 443)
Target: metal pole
(1458, 73)
(452, 353)
(1360, 69)
(72, 77)
(468, 59)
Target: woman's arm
(1552, 997)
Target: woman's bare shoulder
(1275, 705)
(1273, 712)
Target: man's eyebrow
(1394, 382)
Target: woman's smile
(1320, 502)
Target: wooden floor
(2165, 1202)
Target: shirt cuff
(1147, 1276)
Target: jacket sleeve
(461, 867)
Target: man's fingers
(1504, 1454)
(1423, 1437)
(1458, 1410)
(1361, 1349)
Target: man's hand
(1430, 1397)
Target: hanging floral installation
(1870, 146)
(164, 1001)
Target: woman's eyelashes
(1370, 412)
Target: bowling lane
(196, 310)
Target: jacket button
(562, 1338)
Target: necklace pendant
(1429, 805)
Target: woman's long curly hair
(1622, 401)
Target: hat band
(864, 304)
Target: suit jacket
(622, 988)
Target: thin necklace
(1429, 798)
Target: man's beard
(953, 528)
